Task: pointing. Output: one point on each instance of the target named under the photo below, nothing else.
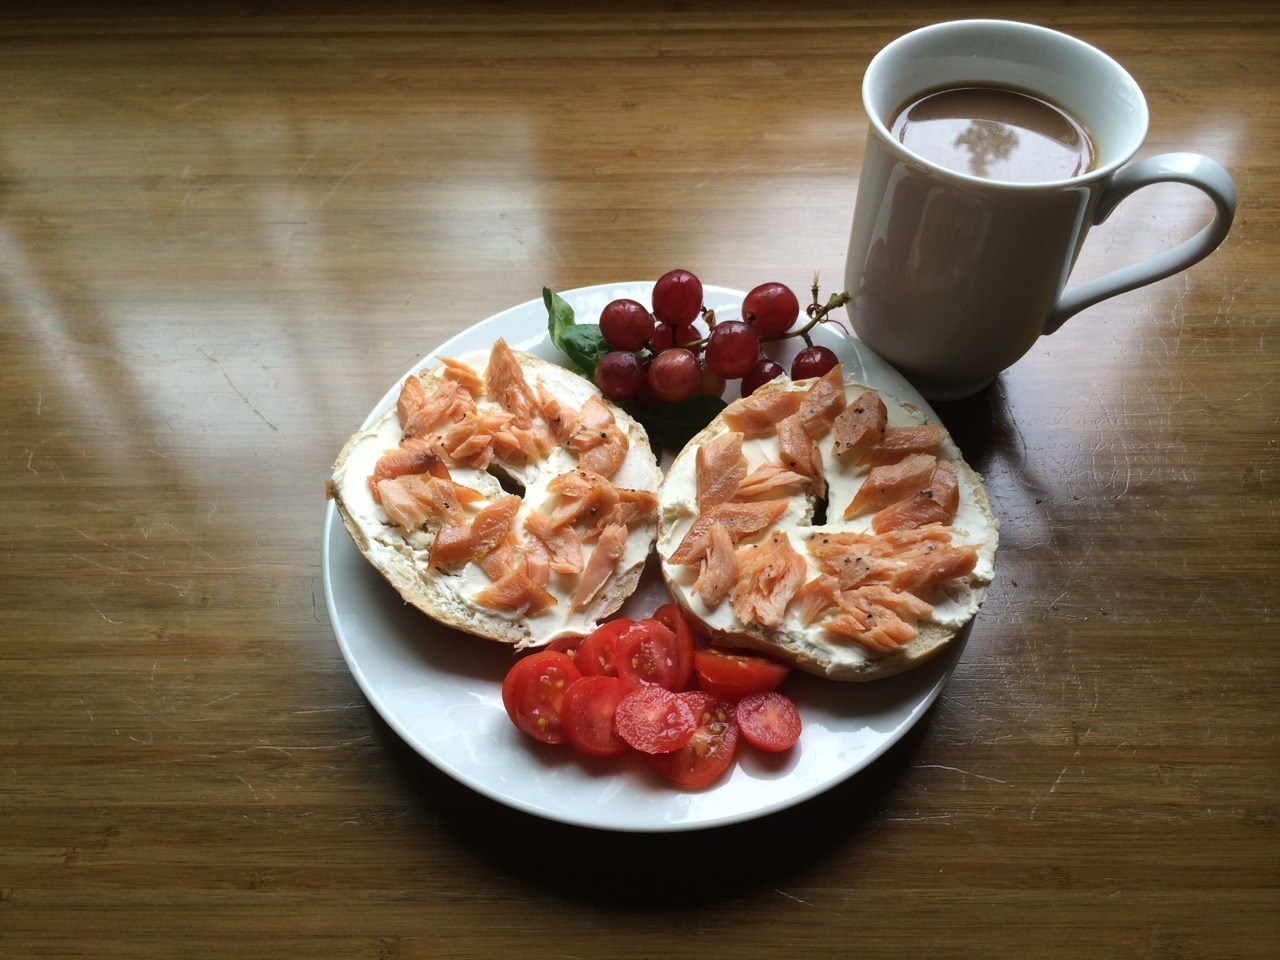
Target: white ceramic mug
(953, 277)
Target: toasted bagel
(486, 428)
(892, 597)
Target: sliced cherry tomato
(669, 616)
(654, 720)
(734, 675)
(769, 720)
(533, 692)
(650, 653)
(566, 645)
(709, 753)
(595, 656)
(586, 716)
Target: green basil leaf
(672, 425)
(559, 317)
(580, 342)
(584, 345)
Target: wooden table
(222, 238)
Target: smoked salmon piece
(935, 504)
(878, 630)
(413, 395)
(899, 442)
(518, 592)
(604, 561)
(528, 435)
(562, 545)
(634, 507)
(758, 414)
(892, 482)
(860, 426)
(444, 406)
(468, 444)
(452, 545)
(853, 558)
(537, 561)
(720, 466)
(928, 570)
(798, 451)
(912, 609)
(822, 403)
(909, 543)
(562, 419)
(878, 618)
(414, 499)
(769, 574)
(607, 457)
(816, 597)
(501, 560)
(492, 524)
(599, 442)
(769, 481)
(463, 374)
(412, 456)
(583, 497)
(718, 568)
(738, 519)
(505, 384)
(461, 542)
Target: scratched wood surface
(222, 237)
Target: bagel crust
(448, 592)
(818, 508)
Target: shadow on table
(661, 870)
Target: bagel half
(725, 600)
(489, 593)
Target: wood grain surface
(224, 235)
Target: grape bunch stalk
(658, 355)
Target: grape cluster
(659, 355)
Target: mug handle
(1188, 168)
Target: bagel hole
(505, 480)
(820, 508)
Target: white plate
(441, 691)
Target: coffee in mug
(962, 242)
(995, 133)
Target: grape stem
(816, 312)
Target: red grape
(764, 371)
(645, 397)
(674, 375)
(732, 349)
(771, 309)
(677, 297)
(626, 325)
(712, 383)
(619, 375)
(812, 362)
(665, 335)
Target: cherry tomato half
(648, 653)
(769, 720)
(654, 720)
(669, 616)
(709, 753)
(595, 656)
(734, 675)
(565, 645)
(534, 690)
(586, 716)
